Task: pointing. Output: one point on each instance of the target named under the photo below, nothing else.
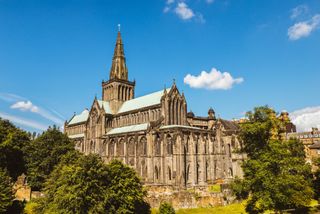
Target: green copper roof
(126, 129)
(80, 118)
(142, 102)
(105, 105)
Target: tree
(166, 208)
(84, 184)
(316, 181)
(6, 195)
(276, 176)
(125, 193)
(44, 153)
(13, 144)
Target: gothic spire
(118, 68)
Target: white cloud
(23, 121)
(306, 118)
(25, 106)
(298, 11)
(22, 104)
(214, 80)
(304, 29)
(170, 1)
(29, 106)
(183, 11)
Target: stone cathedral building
(155, 134)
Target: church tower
(118, 88)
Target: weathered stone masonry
(165, 144)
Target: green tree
(44, 153)
(276, 176)
(13, 144)
(6, 195)
(84, 184)
(125, 193)
(166, 208)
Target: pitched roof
(79, 118)
(126, 129)
(230, 125)
(142, 102)
(105, 105)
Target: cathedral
(155, 134)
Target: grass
(237, 208)
(230, 209)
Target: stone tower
(118, 88)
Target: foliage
(166, 208)
(84, 184)
(240, 188)
(13, 143)
(215, 188)
(6, 195)
(316, 181)
(44, 153)
(30, 208)
(125, 193)
(275, 174)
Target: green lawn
(230, 209)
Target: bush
(6, 195)
(166, 208)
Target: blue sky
(54, 55)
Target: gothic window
(230, 173)
(157, 147)
(103, 148)
(92, 146)
(229, 150)
(197, 173)
(169, 145)
(188, 172)
(120, 148)
(157, 172)
(169, 173)
(143, 143)
(144, 169)
(111, 148)
(131, 147)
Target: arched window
(169, 145)
(111, 149)
(120, 147)
(156, 171)
(157, 147)
(144, 145)
(197, 173)
(131, 147)
(169, 173)
(230, 173)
